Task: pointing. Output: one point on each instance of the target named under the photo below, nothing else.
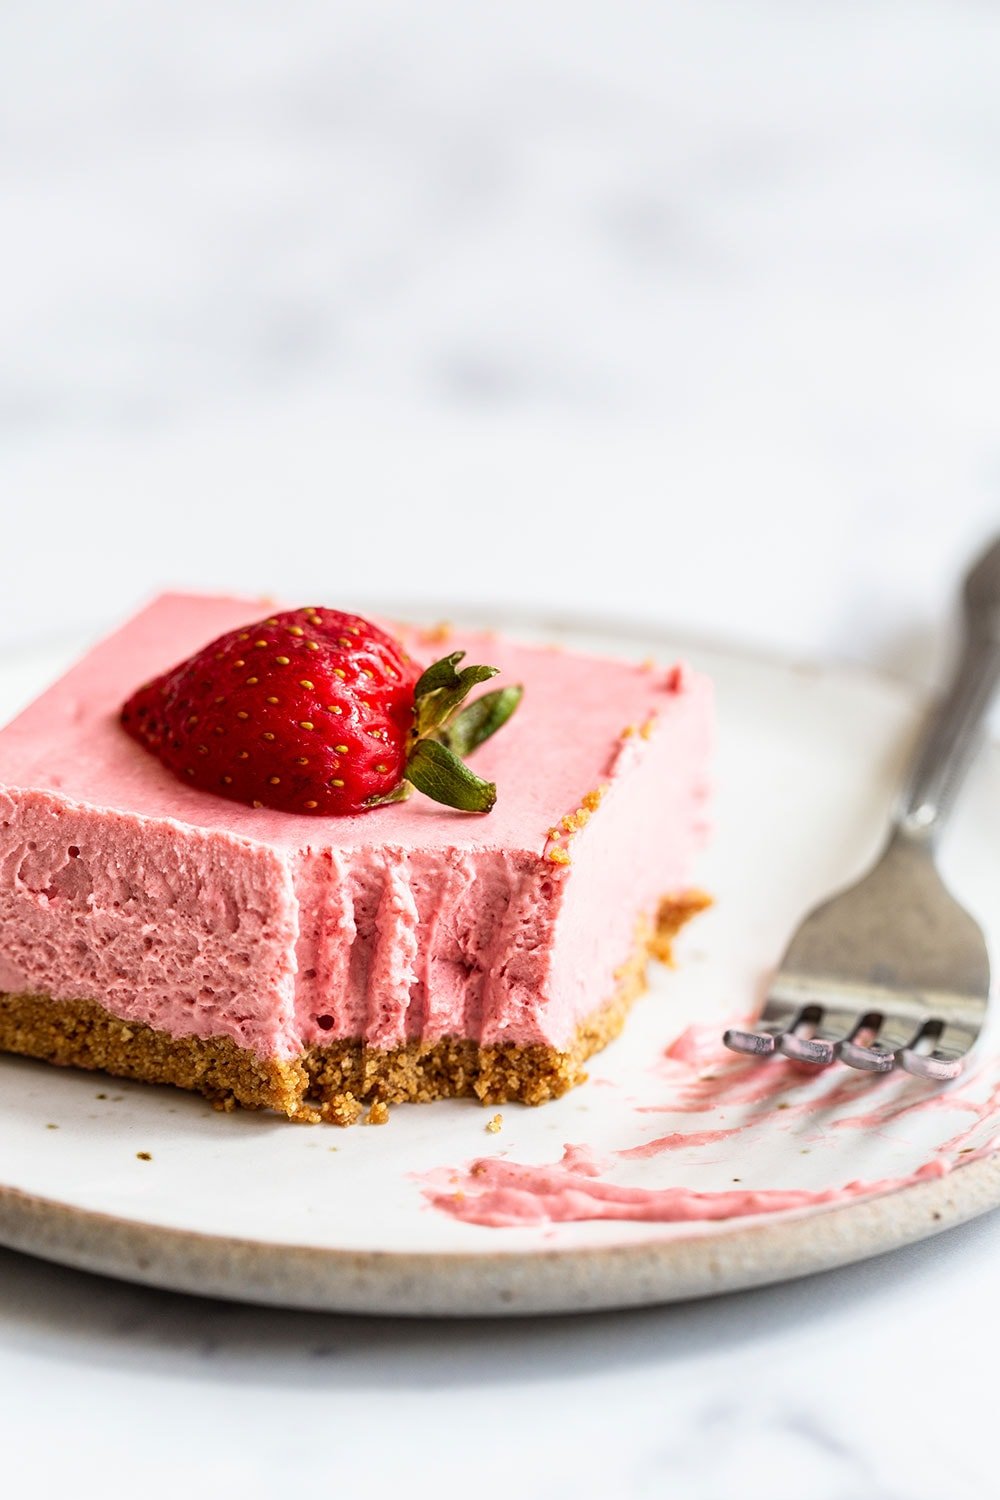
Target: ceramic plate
(677, 1170)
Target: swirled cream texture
(200, 917)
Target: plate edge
(495, 1284)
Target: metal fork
(893, 970)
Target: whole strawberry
(319, 712)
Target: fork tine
(929, 1065)
(830, 1027)
(946, 1059)
(873, 1059)
(761, 1041)
(881, 1054)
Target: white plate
(246, 1206)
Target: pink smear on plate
(702, 1076)
(502, 1194)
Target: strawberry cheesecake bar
(221, 866)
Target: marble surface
(872, 1383)
(364, 298)
(451, 303)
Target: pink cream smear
(201, 917)
(755, 1101)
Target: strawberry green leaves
(477, 721)
(441, 689)
(439, 774)
(444, 731)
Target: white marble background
(686, 310)
(689, 309)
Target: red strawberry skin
(309, 711)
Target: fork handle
(954, 734)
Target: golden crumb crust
(338, 1081)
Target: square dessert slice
(310, 964)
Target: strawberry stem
(443, 731)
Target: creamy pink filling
(193, 934)
(201, 917)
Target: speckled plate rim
(497, 1284)
(679, 1267)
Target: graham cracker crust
(337, 1081)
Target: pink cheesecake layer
(201, 917)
